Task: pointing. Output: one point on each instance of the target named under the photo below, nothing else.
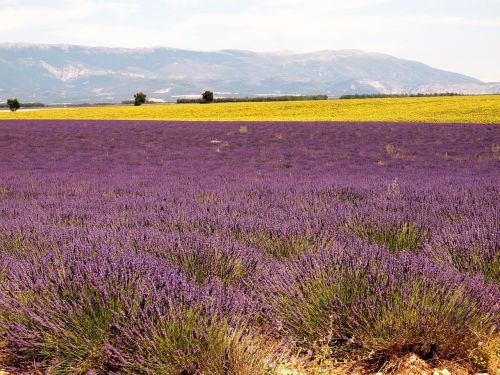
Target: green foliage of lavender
(106, 311)
(188, 248)
(367, 298)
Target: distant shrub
(139, 98)
(207, 97)
(13, 104)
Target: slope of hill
(72, 74)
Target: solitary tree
(139, 98)
(208, 96)
(13, 104)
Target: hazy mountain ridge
(66, 73)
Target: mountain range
(77, 74)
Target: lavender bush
(109, 312)
(364, 297)
(188, 248)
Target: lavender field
(247, 248)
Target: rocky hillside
(72, 74)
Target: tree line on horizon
(207, 97)
(417, 95)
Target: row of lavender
(223, 248)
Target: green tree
(13, 104)
(208, 96)
(139, 98)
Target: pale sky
(457, 35)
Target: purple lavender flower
(135, 247)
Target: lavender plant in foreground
(168, 248)
(110, 312)
(365, 297)
(470, 245)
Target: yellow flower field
(463, 109)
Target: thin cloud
(58, 14)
